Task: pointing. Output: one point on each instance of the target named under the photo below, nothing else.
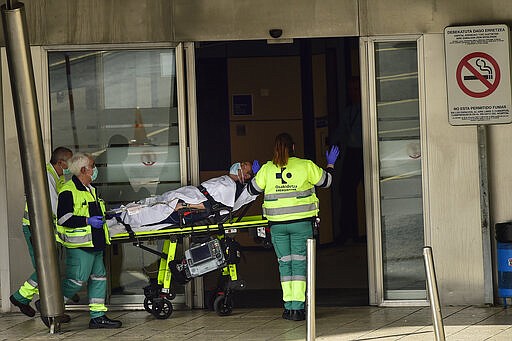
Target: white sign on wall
(478, 74)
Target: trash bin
(504, 239)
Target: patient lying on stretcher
(214, 199)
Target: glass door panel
(120, 106)
(400, 178)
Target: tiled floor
(332, 323)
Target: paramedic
(291, 206)
(55, 171)
(82, 230)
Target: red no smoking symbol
(485, 76)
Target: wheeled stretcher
(212, 248)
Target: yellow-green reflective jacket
(290, 190)
(80, 236)
(58, 181)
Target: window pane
(121, 107)
(400, 170)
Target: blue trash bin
(504, 251)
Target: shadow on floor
(269, 298)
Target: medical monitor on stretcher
(200, 254)
(203, 258)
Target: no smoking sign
(478, 74)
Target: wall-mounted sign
(242, 105)
(478, 74)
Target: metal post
(437, 318)
(30, 139)
(311, 287)
(484, 213)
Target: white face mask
(236, 169)
(94, 174)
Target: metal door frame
(187, 117)
(187, 108)
(371, 164)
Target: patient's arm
(182, 205)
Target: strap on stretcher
(128, 228)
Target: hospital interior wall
(275, 86)
(273, 83)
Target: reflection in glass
(400, 170)
(121, 107)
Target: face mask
(235, 168)
(94, 174)
(66, 171)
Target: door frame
(187, 115)
(371, 164)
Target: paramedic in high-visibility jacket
(291, 207)
(81, 228)
(55, 171)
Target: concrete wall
(453, 189)
(18, 262)
(53, 22)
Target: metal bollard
(437, 318)
(30, 140)
(311, 287)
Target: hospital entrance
(250, 91)
(122, 105)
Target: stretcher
(211, 238)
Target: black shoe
(65, 318)
(104, 322)
(298, 315)
(286, 314)
(24, 308)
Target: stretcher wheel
(162, 309)
(223, 305)
(148, 305)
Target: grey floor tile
(332, 324)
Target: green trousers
(290, 243)
(27, 291)
(86, 267)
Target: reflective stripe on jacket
(290, 190)
(59, 182)
(80, 236)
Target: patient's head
(241, 171)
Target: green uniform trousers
(27, 291)
(86, 267)
(290, 243)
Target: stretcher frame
(158, 295)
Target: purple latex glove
(332, 154)
(255, 166)
(96, 221)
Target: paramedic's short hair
(60, 153)
(78, 161)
